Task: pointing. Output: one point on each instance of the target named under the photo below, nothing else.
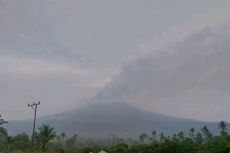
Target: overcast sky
(160, 55)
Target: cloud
(58, 86)
(169, 37)
(27, 68)
(63, 51)
(111, 30)
(13, 15)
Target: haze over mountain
(64, 52)
(102, 119)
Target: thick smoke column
(191, 75)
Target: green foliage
(195, 141)
(122, 148)
(20, 142)
(87, 150)
(44, 135)
(143, 137)
(223, 130)
(3, 135)
(2, 121)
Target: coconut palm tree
(192, 132)
(2, 121)
(61, 138)
(162, 137)
(3, 131)
(223, 129)
(142, 137)
(199, 138)
(207, 134)
(181, 135)
(44, 135)
(153, 135)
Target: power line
(13, 100)
(34, 106)
(15, 96)
(13, 93)
(8, 96)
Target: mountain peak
(101, 119)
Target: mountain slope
(104, 118)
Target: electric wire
(15, 97)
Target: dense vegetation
(47, 140)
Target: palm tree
(207, 134)
(162, 137)
(142, 137)
(223, 129)
(130, 141)
(181, 135)
(63, 135)
(45, 135)
(3, 131)
(153, 135)
(61, 138)
(2, 121)
(192, 132)
(199, 138)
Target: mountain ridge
(101, 119)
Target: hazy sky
(162, 55)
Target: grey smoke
(191, 78)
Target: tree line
(48, 140)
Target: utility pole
(113, 136)
(34, 106)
